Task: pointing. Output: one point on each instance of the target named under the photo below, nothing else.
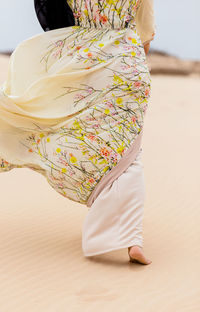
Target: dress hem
(134, 243)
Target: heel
(130, 258)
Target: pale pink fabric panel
(114, 220)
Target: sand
(42, 267)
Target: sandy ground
(42, 267)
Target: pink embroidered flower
(145, 108)
(114, 160)
(104, 152)
(79, 96)
(128, 18)
(91, 180)
(109, 103)
(62, 161)
(89, 90)
(95, 126)
(125, 67)
(133, 119)
(55, 54)
(59, 43)
(137, 84)
(91, 137)
(103, 18)
(77, 14)
(127, 47)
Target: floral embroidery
(110, 112)
(104, 13)
(4, 165)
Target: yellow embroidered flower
(76, 124)
(86, 50)
(39, 152)
(133, 53)
(64, 170)
(119, 100)
(86, 12)
(107, 111)
(58, 150)
(110, 1)
(101, 45)
(92, 40)
(128, 88)
(134, 40)
(73, 159)
(106, 168)
(120, 149)
(103, 161)
(100, 61)
(118, 11)
(117, 78)
(120, 128)
(48, 140)
(80, 137)
(116, 42)
(41, 135)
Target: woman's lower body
(114, 220)
(72, 107)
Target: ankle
(135, 246)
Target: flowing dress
(72, 107)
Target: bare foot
(136, 255)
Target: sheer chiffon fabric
(75, 98)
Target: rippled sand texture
(42, 267)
